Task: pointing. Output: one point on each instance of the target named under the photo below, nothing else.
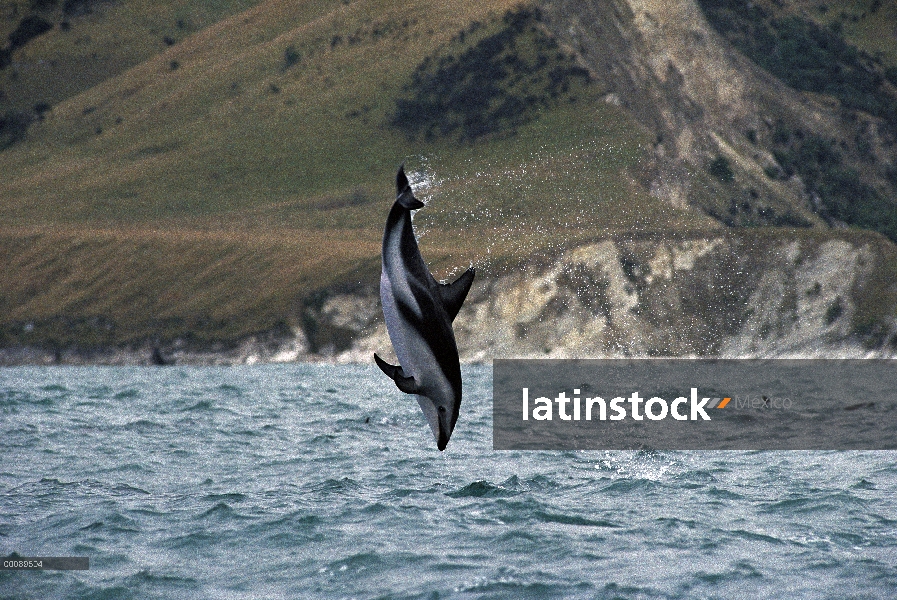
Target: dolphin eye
(442, 409)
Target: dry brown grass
(166, 283)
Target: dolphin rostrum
(419, 312)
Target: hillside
(785, 122)
(51, 50)
(226, 186)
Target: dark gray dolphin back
(419, 312)
(404, 195)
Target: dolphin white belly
(419, 312)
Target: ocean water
(323, 481)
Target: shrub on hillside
(843, 194)
(491, 85)
(13, 126)
(721, 169)
(28, 28)
(805, 56)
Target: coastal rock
(730, 295)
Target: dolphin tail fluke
(405, 384)
(454, 293)
(404, 195)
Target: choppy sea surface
(323, 481)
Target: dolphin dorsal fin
(454, 293)
(405, 384)
(404, 195)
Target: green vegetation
(843, 195)
(834, 311)
(805, 56)
(817, 59)
(51, 50)
(28, 28)
(720, 169)
(13, 127)
(494, 85)
(891, 75)
(867, 24)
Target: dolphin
(419, 312)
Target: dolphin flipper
(405, 384)
(453, 294)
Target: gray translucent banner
(701, 404)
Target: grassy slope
(868, 24)
(211, 188)
(87, 45)
(98, 287)
(850, 169)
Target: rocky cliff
(767, 153)
(735, 294)
(730, 295)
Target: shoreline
(248, 355)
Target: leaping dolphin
(419, 312)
